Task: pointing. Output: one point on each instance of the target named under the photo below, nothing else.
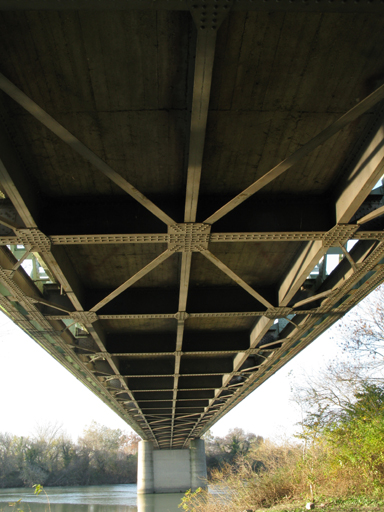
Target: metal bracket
(279, 312)
(35, 238)
(84, 317)
(188, 237)
(97, 357)
(209, 14)
(17, 293)
(339, 234)
(181, 315)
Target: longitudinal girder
(182, 178)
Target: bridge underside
(188, 191)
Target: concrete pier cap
(169, 471)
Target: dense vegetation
(101, 456)
(339, 453)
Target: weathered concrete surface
(169, 471)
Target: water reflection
(106, 498)
(158, 502)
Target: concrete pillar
(198, 464)
(170, 471)
(145, 480)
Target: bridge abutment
(166, 471)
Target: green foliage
(357, 438)
(188, 499)
(38, 489)
(226, 450)
(15, 505)
(101, 456)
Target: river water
(106, 498)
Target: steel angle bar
(125, 238)
(49, 122)
(283, 236)
(313, 298)
(205, 53)
(373, 215)
(129, 282)
(28, 251)
(51, 305)
(9, 223)
(216, 261)
(349, 257)
(369, 235)
(355, 112)
(136, 317)
(141, 354)
(186, 260)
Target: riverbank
(348, 505)
(361, 504)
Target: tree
(236, 445)
(129, 443)
(100, 437)
(326, 397)
(362, 337)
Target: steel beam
(366, 169)
(205, 53)
(132, 280)
(337, 6)
(216, 261)
(30, 106)
(355, 112)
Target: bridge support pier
(162, 471)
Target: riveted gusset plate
(188, 237)
(35, 238)
(209, 15)
(339, 234)
(84, 317)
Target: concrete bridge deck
(179, 175)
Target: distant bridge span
(177, 177)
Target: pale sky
(36, 389)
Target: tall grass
(283, 474)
